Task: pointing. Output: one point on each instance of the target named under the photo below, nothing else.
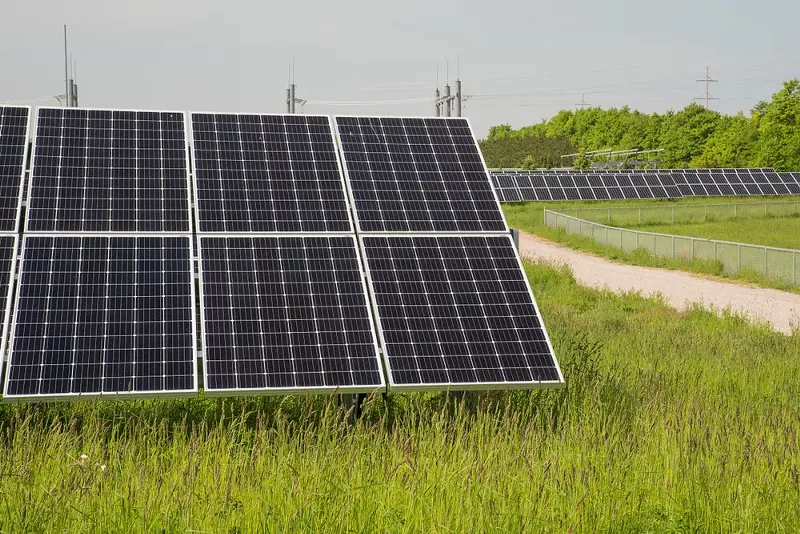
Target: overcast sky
(522, 60)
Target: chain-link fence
(778, 263)
(684, 213)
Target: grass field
(530, 217)
(783, 232)
(670, 422)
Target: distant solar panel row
(524, 186)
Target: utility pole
(72, 85)
(445, 102)
(458, 98)
(68, 99)
(71, 95)
(291, 92)
(707, 96)
(583, 103)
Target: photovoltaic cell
(13, 152)
(457, 312)
(417, 175)
(286, 314)
(109, 171)
(267, 173)
(99, 315)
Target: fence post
(640, 222)
(692, 248)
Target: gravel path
(781, 309)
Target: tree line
(691, 137)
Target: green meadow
(669, 422)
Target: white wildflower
(84, 457)
(103, 467)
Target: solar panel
(600, 193)
(8, 256)
(267, 173)
(542, 193)
(14, 126)
(739, 190)
(457, 312)
(413, 174)
(109, 171)
(285, 315)
(100, 315)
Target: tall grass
(782, 232)
(669, 422)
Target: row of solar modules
(524, 186)
(318, 268)
(745, 170)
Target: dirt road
(779, 308)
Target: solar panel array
(604, 185)
(290, 293)
(108, 311)
(281, 312)
(452, 302)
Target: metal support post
(291, 100)
(438, 104)
(447, 102)
(66, 69)
(288, 100)
(458, 98)
(515, 237)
